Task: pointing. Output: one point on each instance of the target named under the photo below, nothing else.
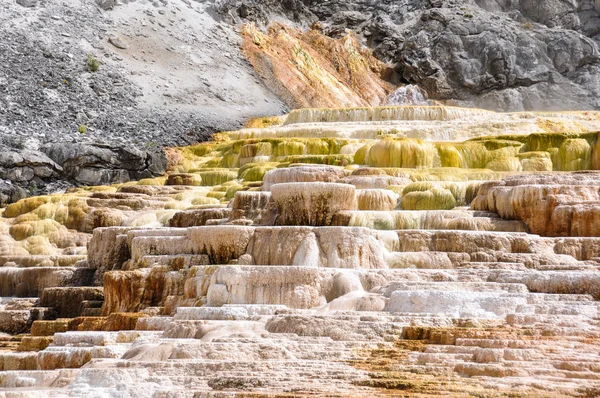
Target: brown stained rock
(122, 321)
(184, 179)
(312, 203)
(50, 360)
(67, 301)
(252, 205)
(550, 204)
(131, 291)
(15, 321)
(87, 323)
(222, 244)
(199, 217)
(108, 250)
(30, 282)
(34, 343)
(19, 361)
(174, 262)
(48, 328)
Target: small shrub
(32, 188)
(19, 143)
(92, 63)
(527, 25)
(82, 129)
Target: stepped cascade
(391, 251)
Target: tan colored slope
(308, 69)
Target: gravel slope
(170, 73)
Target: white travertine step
(91, 339)
(226, 312)
(40, 260)
(176, 261)
(55, 357)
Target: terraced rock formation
(333, 252)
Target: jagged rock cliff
(500, 55)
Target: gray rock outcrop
(508, 55)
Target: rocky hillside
(506, 55)
(90, 91)
(167, 74)
(311, 70)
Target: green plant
(19, 143)
(32, 188)
(527, 25)
(92, 63)
(82, 129)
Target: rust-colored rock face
(343, 252)
(311, 70)
(550, 205)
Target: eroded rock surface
(509, 55)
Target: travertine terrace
(399, 251)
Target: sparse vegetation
(19, 143)
(32, 188)
(527, 25)
(93, 63)
(82, 129)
